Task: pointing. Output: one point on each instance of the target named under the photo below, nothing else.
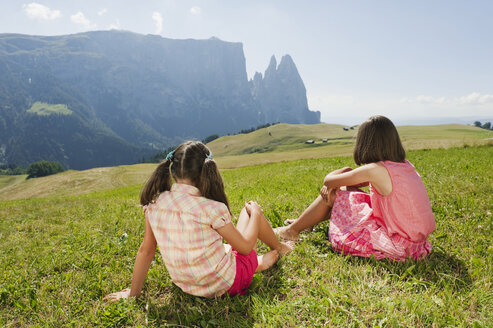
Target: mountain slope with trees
(118, 96)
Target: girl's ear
(157, 183)
(211, 183)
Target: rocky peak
(281, 94)
(287, 66)
(271, 69)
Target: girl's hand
(252, 206)
(329, 195)
(324, 192)
(113, 297)
(332, 195)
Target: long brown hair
(191, 160)
(378, 140)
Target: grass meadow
(60, 255)
(282, 142)
(45, 109)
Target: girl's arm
(349, 177)
(244, 243)
(146, 253)
(373, 173)
(347, 169)
(143, 261)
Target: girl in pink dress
(393, 220)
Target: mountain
(111, 97)
(281, 94)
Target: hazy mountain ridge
(135, 93)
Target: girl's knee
(244, 212)
(243, 219)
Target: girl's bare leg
(266, 235)
(243, 219)
(267, 260)
(317, 212)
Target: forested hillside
(112, 97)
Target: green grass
(71, 183)
(11, 180)
(60, 255)
(283, 142)
(279, 137)
(286, 143)
(44, 109)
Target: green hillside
(11, 180)
(59, 256)
(286, 142)
(70, 183)
(282, 137)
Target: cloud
(195, 10)
(115, 26)
(430, 100)
(158, 19)
(38, 11)
(102, 12)
(81, 20)
(474, 98)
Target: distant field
(281, 137)
(44, 109)
(74, 182)
(11, 180)
(286, 143)
(60, 255)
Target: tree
(11, 169)
(477, 124)
(487, 126)
(43, 168)
(210, 138)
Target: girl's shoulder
(403, 170)
(406, 163)
(373, 168)
(213, 205)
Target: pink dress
(395, 226)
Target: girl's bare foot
(286, 233)
(286, 248)
(267, 260)
(289, 221)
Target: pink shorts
(246, 265)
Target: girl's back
(188, 221)
(406, 210)
(184, 226)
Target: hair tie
(170, 155)
(210, 155)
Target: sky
(416, 62)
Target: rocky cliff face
(140, 92)
(281, 94)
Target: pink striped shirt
(184, 225)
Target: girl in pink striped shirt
(188, 221)
(393, 220)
